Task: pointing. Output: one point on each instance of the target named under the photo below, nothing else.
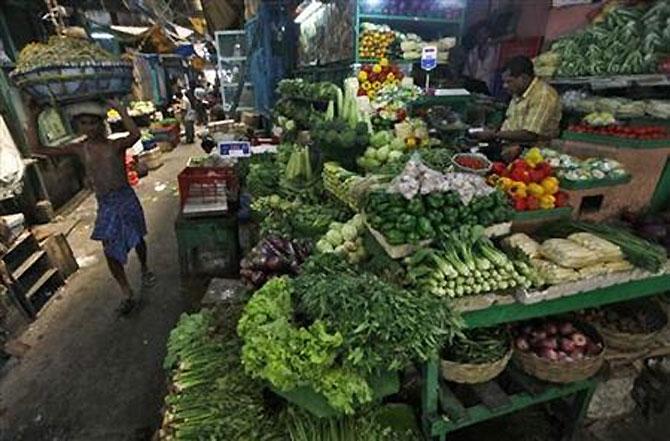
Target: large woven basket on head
(467, 373)
(76, 82)
(562, 371)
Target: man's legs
(189, 126)
(148, 278)
(119, 274)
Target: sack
(521, 241)
(607, 250)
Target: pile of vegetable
(61, 51)
(556, 341)
(373, 77)
(635, 317)
(570, 168)
(332, 312)
(301, 89)
(467, 263)
(529, 183)
(263, 175)
(640, 132)
(389, 104)
(478, 346)
(608, 108)
(579, 256)
(210, 395)
(271, 257)
(627, 41)
(427, 216)
(376, 41)
(345, 240)
(339, 141)
(384, 147)
(636, 250)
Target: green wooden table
(443, 412)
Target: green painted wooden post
(661, 199)
(429, 395)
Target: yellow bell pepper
(534, 157)
(550, 185)
(517, 190)
(492, 180)
(362, 76)
(384, 62)
(505, 183)
(376, 68)
(534, 189)
(547, 202)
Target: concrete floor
(89, 375)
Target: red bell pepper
(498, 168)
(545, 168)
(520, 204)
(520, 174)
(532, 203)
(562, 199)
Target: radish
(522, 344)
(567, 345)
(579, 339)
(566, 328)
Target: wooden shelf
(41, 282)
(27, 264)
(18, 241)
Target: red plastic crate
(207, 183)
(509, 49)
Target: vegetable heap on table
(373, 77)
(579, 256)
(345, 240)
(529, 182)
(376, 41)
(273, 256)
(301, 89)
(340, 141)
(384, 148)
(560, 341)
(210, 396)
(478, 346)
(627, 41)
(61, 51)
(570, 168)
(641, 132)
(389, 105)
(467, 263)
(263, 176)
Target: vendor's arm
(34, 143)
(130, 126)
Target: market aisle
(88, 375)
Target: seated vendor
(534, 113)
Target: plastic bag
(524, 243)
(569, 254)
(607, 250)
(553, 274)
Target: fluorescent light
(373, 3)
(310, 10)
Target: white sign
(235, 149)
(429, 58)
(264, 148)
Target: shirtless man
(119, 223)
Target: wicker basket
(629, 342)
(562, 371)
(76, 82)
(466, 373)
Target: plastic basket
(207, 184)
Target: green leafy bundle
(289, 355)
(212, 398)
(383, 326)
(477, 346)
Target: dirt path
(88, 375)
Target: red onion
(551, 328)
(540, 335)
(549, 354)
(522, 344)
(579, 339)
(566, 328)
(567, 345)
(550, 343)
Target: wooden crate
(645, 165)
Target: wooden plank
(527, 383)
(498, 314)
(491, 395)
(48, 274)
(451, 405)
(28, 263)
(61, 255)
(18, 241)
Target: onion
(551, 328)
(567, 345)
(527, 330)
(549, 342)
(522, 344)
(566, 328)
(539, 335)
(548, 354)
(579, 339)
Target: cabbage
(397, 144)
(381, 138)
(323, 246)
(358, 221)
(382, 154)
(370, 153)
(395, 155)
(349, 232)
(335, 226)
(334, 237)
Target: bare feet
(148, 279)
(126, 306)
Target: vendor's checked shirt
(537, 111)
